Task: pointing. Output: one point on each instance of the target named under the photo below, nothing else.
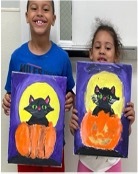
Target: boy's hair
(52, 2)
(106, 26)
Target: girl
(105, 47)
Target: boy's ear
(54, 19)
(90, 53)
(26, 16)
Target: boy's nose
(39, 13)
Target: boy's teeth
(39, 22)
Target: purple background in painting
(20, 81)
(85, 70)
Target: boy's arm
(6, 103)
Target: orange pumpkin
(35, 141)
(102, 131)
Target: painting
(102, 91)
(36, 133)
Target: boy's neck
(39, 47)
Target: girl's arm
(130, 114)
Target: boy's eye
(33, 8)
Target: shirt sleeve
(69, 75)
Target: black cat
(104, 98)
(39, 108)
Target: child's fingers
(69, 100)
(7, 97)
(73, 125)
(68, 107)
(6, 109)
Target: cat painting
(39, 108)
(104, 98)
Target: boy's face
(40, 16)
(103, 48)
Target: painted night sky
(36, 132)
(102, 91)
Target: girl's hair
(106, 26)
(52, 2)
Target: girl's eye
(34, 106)
(97, 47)
(46, 9)
(108, 48)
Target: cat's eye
(44, 107)
(100, 96)
(34, 106)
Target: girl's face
(40, 16)
(103, 49)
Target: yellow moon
(39, 90)
(105, 79)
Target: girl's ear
(116, 60)
(26, 16)
(90, 53)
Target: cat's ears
(113, 90)
(47, 100)
(31, 99)
(96, 89)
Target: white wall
(11, 39)
(122, 13)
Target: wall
(11, 39)
(122, 13)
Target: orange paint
(35, 141)
(102, 131)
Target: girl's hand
(74, 121)
(6, 103)
(130, 114)
(69, 101)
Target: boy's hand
(69, 101)
(6, 103)
(74, 121)
(130, 114)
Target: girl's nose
(102, 50)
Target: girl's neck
(39, 46)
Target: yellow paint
(105, 79)
(39, 90)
